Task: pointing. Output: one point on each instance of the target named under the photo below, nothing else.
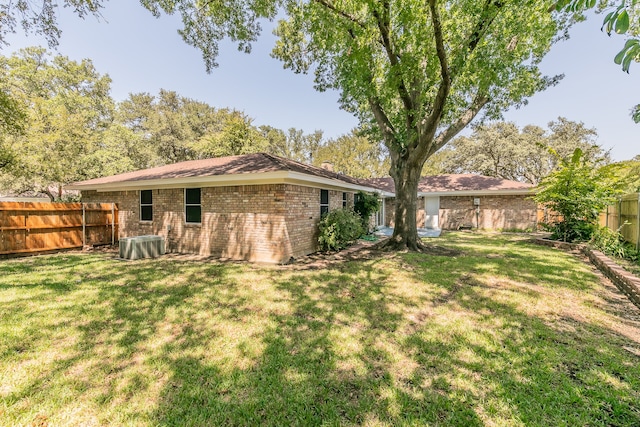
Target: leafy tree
(627, 173)
(164, 123)
(236, 136)
(354, 155)
(174, 128)
(503, 150)
(68, 108)
(39, 17)
(419, 71)
(293, 144)
(12, 116)
(32, 18)
(439, 162)
(623, 17)
(578, 191)
(365, 205)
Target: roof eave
(260, 178)
(498, 192)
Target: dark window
(344, 200)
(192, 205)
(146, 205)
(324, 202)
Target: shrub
(365, 204)
(611, 243)
(338, 229)
(577, 191)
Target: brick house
(255, 207)
(451, 202)
(265, 208)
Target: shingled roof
(261, 167)
(454, 183)
(238, 166)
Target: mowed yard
(487, 330)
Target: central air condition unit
(141, 247)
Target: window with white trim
(192, 205)
(344, 200)
(146, 205)
(324, 202)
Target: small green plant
(611, 243)
(338, 229)
(365, 204)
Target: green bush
(365, 204)
(338, 229)
(578, 191)
(611, 243)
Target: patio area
(383, 231)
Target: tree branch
(486, 19)
(445, 136)
(430, 124)
(383, 27)
(386, 127)
(342, 13)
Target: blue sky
(143, 54)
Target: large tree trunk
(406, 175)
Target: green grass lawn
(494, 331)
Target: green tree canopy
(578, 190)
(354, 155)
(503, 150)
(68, 108)
(293, 144)
(39, 17)
(621, 17)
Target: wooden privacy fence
(623, 215)
(545, 215)
(27, 227)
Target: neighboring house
(255, 207)
(451, 202)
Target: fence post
(619, 212)
(84, 228)
(113, 224)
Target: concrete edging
(624, 280)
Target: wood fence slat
(28, 227)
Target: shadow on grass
(228, 344)
(392, 371)
(304, 376)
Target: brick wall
(390, 211)
(496, 212)
(262, 223)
